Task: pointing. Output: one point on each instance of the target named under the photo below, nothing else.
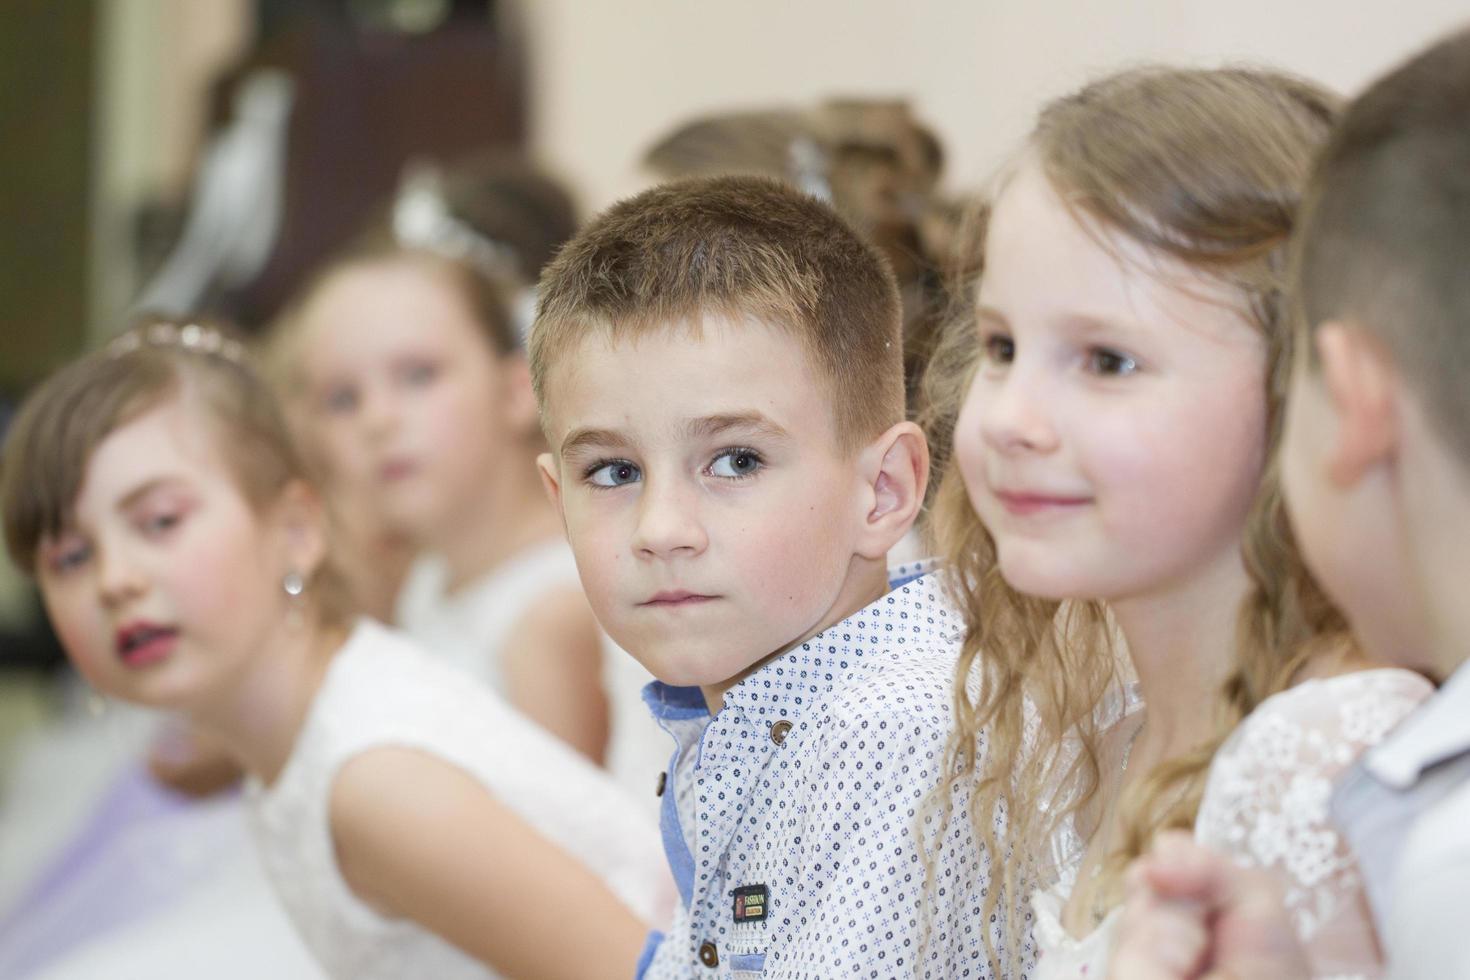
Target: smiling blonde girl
(1115, 401)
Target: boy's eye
(614, 474)
(999, 349)
(1101, 360)
(735, 463)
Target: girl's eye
(999, 349)
(162, 522)
(733, 464)
(418, 373)
(70, 557)
(340, 401)
(615, 474)
(1101, 360)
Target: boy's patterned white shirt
(805, 793)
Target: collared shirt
(790, 817)
(1406, 809)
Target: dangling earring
(293, 584)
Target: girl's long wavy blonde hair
(1207, 167)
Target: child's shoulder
(1361, 705)
(1318, 726)
(914, 635)
(383, 687)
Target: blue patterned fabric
(810, 783)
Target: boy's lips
(675, 598)
(142, 643)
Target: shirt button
(780, 730)
(708, 955)
(663, 781)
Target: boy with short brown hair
(719, 369)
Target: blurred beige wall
(156, 61)
(608, 77)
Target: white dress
(469, 626)
(1058, 953)
(381, 690)
(1266, 805)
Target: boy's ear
(1363, 388)
(550, 479)
(304, 523)
(895, 474)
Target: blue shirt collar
(1437, 731)
(828, 656)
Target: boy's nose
(1014, 416)
(668, 522)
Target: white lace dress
(382, 690)
(1266, 805)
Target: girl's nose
(379, 412)
(119, 579)
(1014, 416)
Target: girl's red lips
(142, 643)
(677, 597)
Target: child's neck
(1437, 517)
(261, 715)
(1182, 645)
(511, 515)
(866, 583)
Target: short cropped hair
(1385, 241)
(737, 247)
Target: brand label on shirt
(750, 903)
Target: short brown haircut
(1385, 241)
(736, 247)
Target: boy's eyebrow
(704, 427)
(713, 425)
(580, 439)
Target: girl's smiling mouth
(1026, 503)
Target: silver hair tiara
(422, 219)
(189, 336)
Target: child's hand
(1192, 914)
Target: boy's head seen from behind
(1386, 242)
(718, 364)
(1377, 448)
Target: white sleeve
(1266, 805)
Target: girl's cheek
(80, 637)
